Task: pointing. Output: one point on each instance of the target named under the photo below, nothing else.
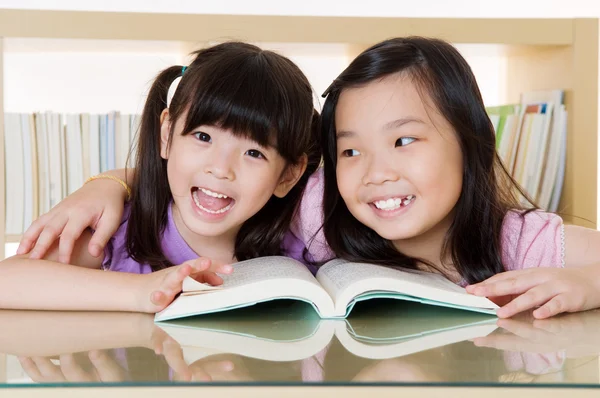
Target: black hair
(488, 192)
(256, 94)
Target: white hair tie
(173, 87)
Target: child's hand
(98, 204)
(553, 290)
(162, 286)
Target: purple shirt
(175, 249)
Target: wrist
(143, 291)
(105, 176)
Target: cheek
(439, 174)
(258, 183)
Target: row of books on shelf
(49, 155)
(531, 140)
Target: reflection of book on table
(337, 286)
(295, 332)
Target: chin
(395, 234)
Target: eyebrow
(394, 124)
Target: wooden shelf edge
(12, 238)
(272, 28)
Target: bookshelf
(541, 54)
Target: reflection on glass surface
(284, 341)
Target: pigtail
(150, 194)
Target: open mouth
(212, 202)
(393, 203)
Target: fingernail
(96, 250)
(33, 255)
(227, 268)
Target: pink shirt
(534, 240)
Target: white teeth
(214, 194)
(393, 203)
(197, 202)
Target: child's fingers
(71, 232)
(224, 269)
(555, 306)
(503, 276)
(507, 287)
(209, 277)
(528, 300)
(492, 279)
(104, 230)
(159, 299)
(32, 234)
(50, 233)
(173, 281)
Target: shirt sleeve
(308, 222)
(534, 239)
(115, 247)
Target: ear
(290, 177)
(165, 130)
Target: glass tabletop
(285, 343)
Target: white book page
(345, 280)
(254, 281)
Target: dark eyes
(350, 153)
(255, 154)
(203, 136)
(403, 141)
(200, 136)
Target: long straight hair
(256, 94)
(488, 192)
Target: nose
(380, 169)
(221, 164)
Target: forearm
(48, 285)
(45, 333)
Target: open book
(338, 285)
(295, 332)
